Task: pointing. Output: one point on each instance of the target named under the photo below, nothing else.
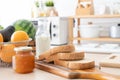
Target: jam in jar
(24, 60)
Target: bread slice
(65, 56)
(59, 49)
(76, 65)
(51, 58)
(71, 56)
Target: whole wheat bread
(65, 56)
(71, 56)
(54, 50)
(51, 58)
(78, 64)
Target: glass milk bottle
(42, 37)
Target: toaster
(58, 30)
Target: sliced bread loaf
(51, 58)
(65, 56)
(78, 64)
(59, 49)
(71, 56)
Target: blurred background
(11, 10)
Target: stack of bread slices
(66, 56)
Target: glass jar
(24, 60)
(42, 36)
(42, 12)
(35, 9)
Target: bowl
(18, 43)
(89, 31)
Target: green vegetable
(49, 3)
(7, 32)
(26, 26)
(1, 27)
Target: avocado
(7, 32)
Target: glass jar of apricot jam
(24, 60)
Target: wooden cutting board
(112, 60)
(94, 73)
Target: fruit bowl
(7, 51)
(18, 43)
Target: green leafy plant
(49, 3)
(1, 27)
(37, 4)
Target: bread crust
(82, 65)
(51, 58)
(76, 65)
(55, 50)
(71, 56)
(61, 63)
(65, 56)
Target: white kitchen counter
(9, 74)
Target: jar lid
(25, 48)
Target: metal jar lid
(24, 48)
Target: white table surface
(9, 74)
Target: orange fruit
(1, 38)
(19, 36)
(7, 52)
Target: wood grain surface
(93, 73)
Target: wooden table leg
(78, 32)
(70, 30)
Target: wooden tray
(94, 73)
(32, 44)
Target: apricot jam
(24, 60)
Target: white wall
(10, 10)
(67, 7)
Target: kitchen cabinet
(71, 24)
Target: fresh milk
(42, 44)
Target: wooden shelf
(72, 38)
(99, 39)
(96, 16)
